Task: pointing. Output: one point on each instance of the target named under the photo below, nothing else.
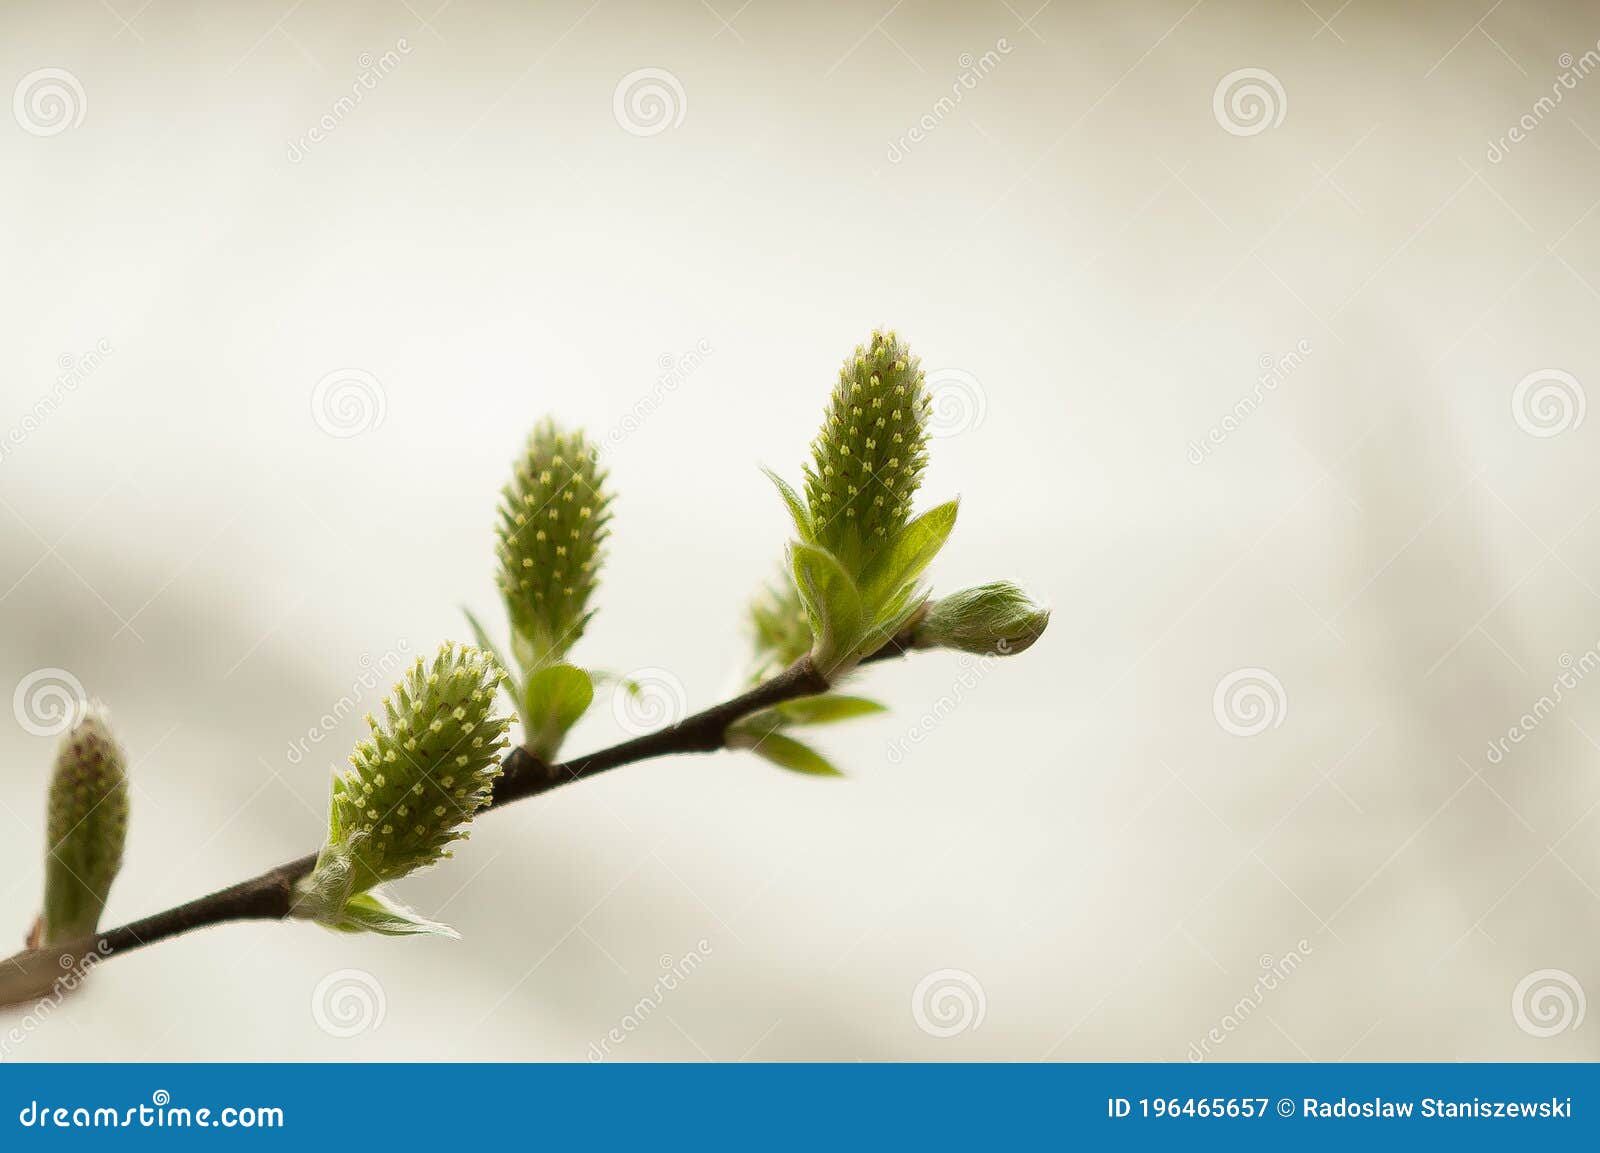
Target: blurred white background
(1097, 247)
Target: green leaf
(899, 612)
(376, 912)
(913, 550)
(553, 701)
(788, 753)
(832, 604)
(745, 732)
(827, 708)
(791, 499)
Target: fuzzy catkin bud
(553, 517)
(996, 619)
(87, 827)
(423, 773)
(779, 632)
(867, 461)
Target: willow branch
(271, 895)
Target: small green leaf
(376, 912)
(555, 698)
(827, 708)
(913, 550)
(832, 604)
(796, 507)
(788, 753)
(747, 732)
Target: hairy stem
(270, 896)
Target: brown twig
(271, 895)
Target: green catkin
(87, 828)
(867, 461)
(422, 773)
(553, 517)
